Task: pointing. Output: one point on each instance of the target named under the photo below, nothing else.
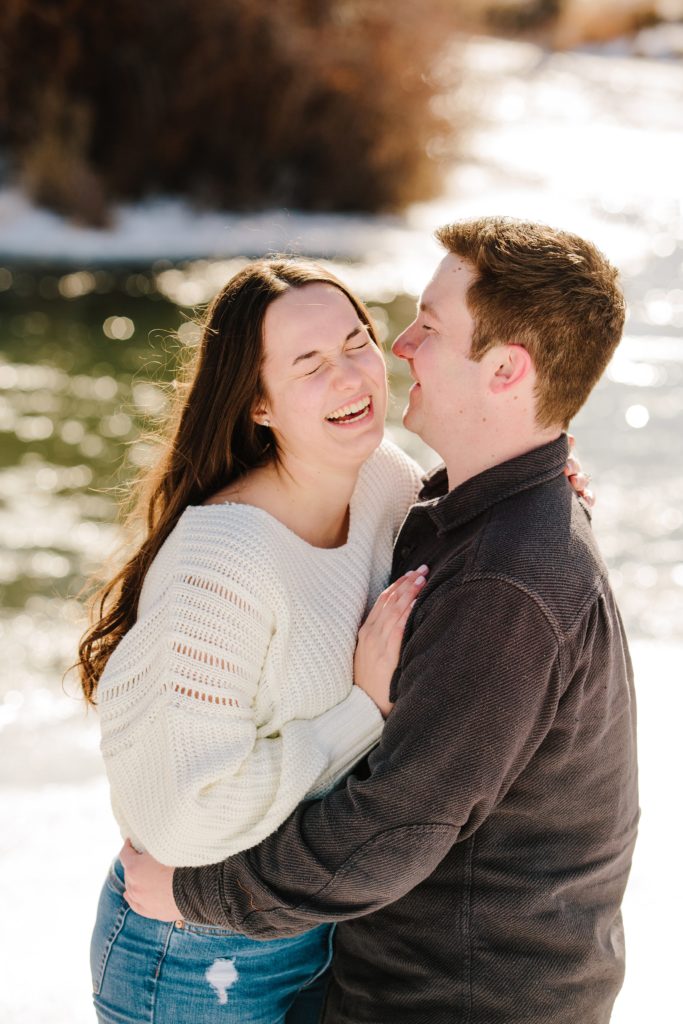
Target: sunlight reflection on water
(68, 431)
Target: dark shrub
(237, 103)
(519, 16)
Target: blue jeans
(160, 973)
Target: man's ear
(511, 368)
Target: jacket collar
(449, 509)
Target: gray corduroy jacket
(477, 860)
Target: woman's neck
(311, 501)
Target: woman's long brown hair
(211, 439)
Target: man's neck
(465, 462)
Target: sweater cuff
(345, 734)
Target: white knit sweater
(231, 698)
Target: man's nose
(404, 347)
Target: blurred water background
(90, 323)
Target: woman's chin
(356, 448)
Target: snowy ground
(581, 140)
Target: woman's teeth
(351, 413)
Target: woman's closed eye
(350, 348)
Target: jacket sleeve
(477, 689)
(193, 776)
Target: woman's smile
(360, 410)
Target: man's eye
(314, 370)
(363, 344)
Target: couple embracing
(371, 737)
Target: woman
(222, 653)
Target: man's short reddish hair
(548, 290)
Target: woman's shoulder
(219, 542)
(231, 531)
(218, 561)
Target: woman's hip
(179, 973)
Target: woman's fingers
(400, 622)
(403, 584)
(572, 467)
(579, 482)
(395, 613)
(381, 635)
(404, 581)
(405, 590)
(405, 597)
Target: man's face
(447, 403)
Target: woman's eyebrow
(316, 352)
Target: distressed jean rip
(222, 975)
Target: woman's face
(324, 377)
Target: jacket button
(180, 924)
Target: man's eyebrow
(424, 307)
(316, 352)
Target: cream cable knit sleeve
(219, 713)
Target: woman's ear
(512, 368)
(261, 417)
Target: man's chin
(410, 420)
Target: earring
(265, 423)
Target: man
(478, 861)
